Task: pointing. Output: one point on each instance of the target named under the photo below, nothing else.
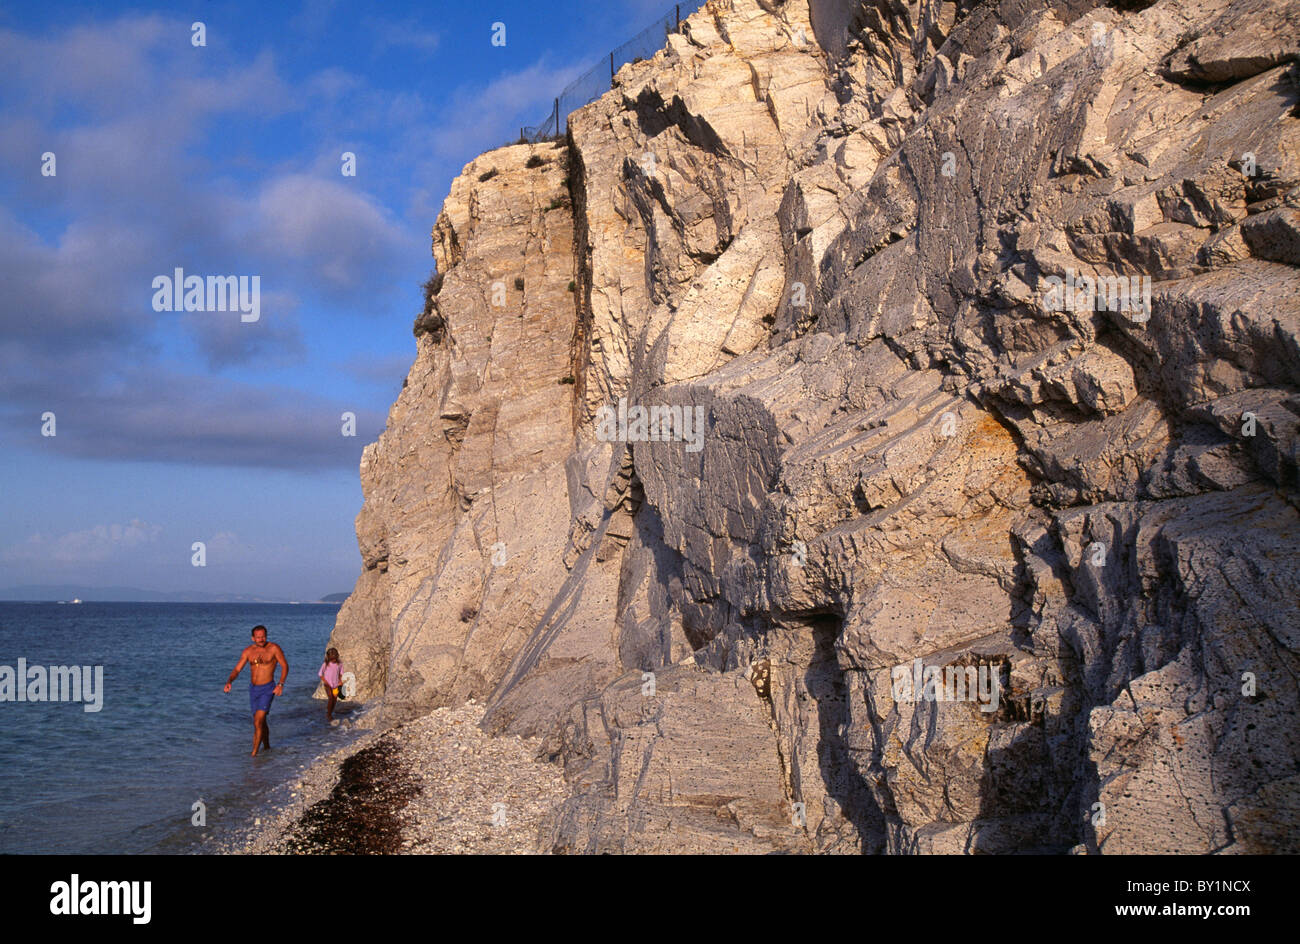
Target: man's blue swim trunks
(261, 696)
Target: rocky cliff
(989, 312)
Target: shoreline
(289, 800)
(437, 784)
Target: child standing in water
(331, 673)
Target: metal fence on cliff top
(597, 81)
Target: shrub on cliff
(431, 287)
(429, 321)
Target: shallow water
(125, 779)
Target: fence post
(679, 17)
(557, 117)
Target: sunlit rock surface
(861, 238)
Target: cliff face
(860, 239)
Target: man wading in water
(262, 656)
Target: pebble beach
(437, 784)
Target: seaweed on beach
(360, 816)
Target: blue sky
(176, 427)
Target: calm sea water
(124, 779)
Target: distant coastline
(67, 593)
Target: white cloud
(485, 117)
(404, 35)
(344, 234)
(103, 542)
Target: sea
(163, 767)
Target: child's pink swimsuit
(331, 672)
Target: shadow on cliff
(829, 688)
